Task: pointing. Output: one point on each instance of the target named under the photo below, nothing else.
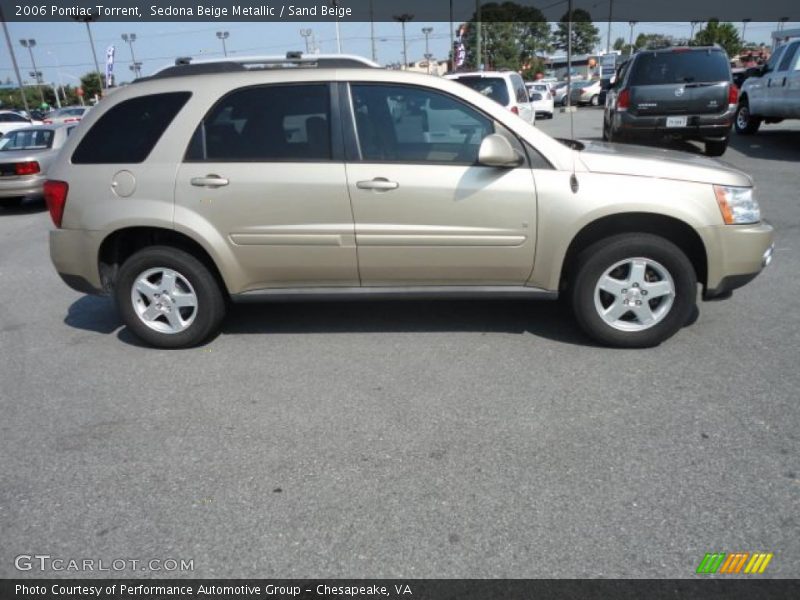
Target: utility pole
(630, 41)
(36, 74)
(608, 36)
(372, 31)
(306, 33)
(129, 38)
(335, 5)
(427, 31)
(14, 61)
(691, 31)
(86, 21)
(744, 28)
(222, 36)
(403, 19)
(478, 36)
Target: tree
(512, 35)
(724, 34)
(585, 36)
(619, 43)
(91, 84)
(653, 40)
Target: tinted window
(495, 88)
(127, 132)
(772, 63)
(519, 88)
(69, 112)
(270, 123)
(27, 139)
(788, 55)
(680, 67)
(536, 96)
(407, 124)
(12, 118)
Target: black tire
(605, 131)
(744, 122)
(210, 309)
(595, 101)
(11, 202)
(595, 260)
(716, 147)
(564, 101)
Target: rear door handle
(379, 183)
(209, 181)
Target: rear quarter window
(127, 132)
(660, 68)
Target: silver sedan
(25, 156)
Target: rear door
(265, 170)
(759, 89)
(679, 82)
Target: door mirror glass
(496, 151)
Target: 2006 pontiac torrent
(324, 178)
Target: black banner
(386, 10)
(394, 589)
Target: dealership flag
(110, 66)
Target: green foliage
(91, 85)
(585, 36)
(653, 40)
(619, 43)
(724, 34)
(511, 36)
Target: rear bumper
(702, 127)
(28, 187)
(74, 255)
(740, 253)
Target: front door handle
(209, 181)
(379, 184)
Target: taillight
(624, 99)
(515, 110)
(733, 94)
(48, 121)
(30, 167)
(71, 120)
(55, 195)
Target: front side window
(787, 56)
(416, 125)
(271, 123)
(129, 131)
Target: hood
(644, 161)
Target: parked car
(772, 93)
(560, 93)
(504, 87)
(541, 96)
(25, 155)
(10, 120)
(69, 114)
(586, 92)
(678, 92)
(338, 180)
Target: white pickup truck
(772, 93)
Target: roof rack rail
(186, 65)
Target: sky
(63, 48)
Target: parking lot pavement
(449, 439)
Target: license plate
(676, 121)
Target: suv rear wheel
(745, 123)
(168, 298)
(633, 290)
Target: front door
(426, 213)
(260, 176)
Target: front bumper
(74, 255)
(736, 255)
(700, 127)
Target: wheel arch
(673, 229)
(121, 244)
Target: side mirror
(496, 151)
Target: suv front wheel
(745, 123)
(633, 290)
(168, 298)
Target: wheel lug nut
(636, 285)
(638, 303)
(624, 290)
(644, 292)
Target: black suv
(679, 92)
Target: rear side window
(27, 139)
(661, 68)
(519, 88)
(495, 88)
(127, 132)
(266, 124)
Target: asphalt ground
(425, 439)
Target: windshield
(27, 139)
(493, 87)
(680, 67)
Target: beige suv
(326, 178)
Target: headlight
(737, 205)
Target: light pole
(427, 31)
(372, 31)
(100, 78)
(608, 35)
(744, 28)
(403, 19)
(129, 38)
(222, 36)
(306, 33)
(36, 74)
(691, 31)
(14, 60)
(60, 79)
(630, 40)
